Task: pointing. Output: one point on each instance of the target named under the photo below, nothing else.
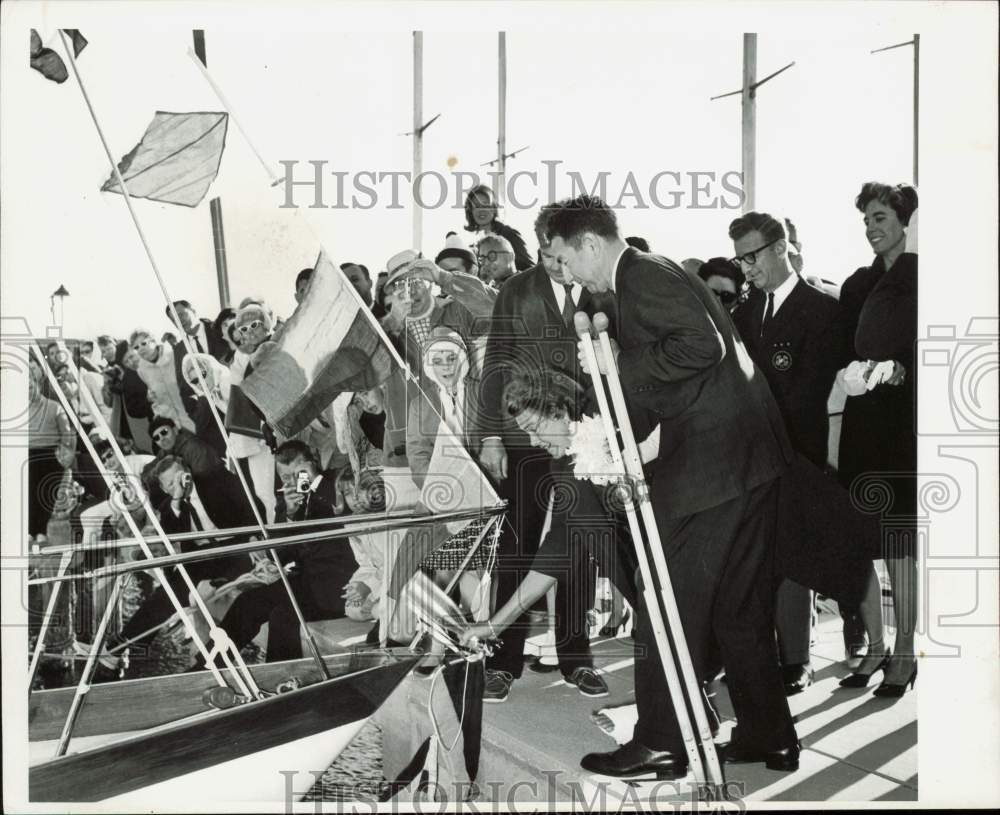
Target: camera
(302, 482)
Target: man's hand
(293, 501)
(426, 269)
(493, 457)
(602, 362)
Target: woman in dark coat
(878, 446)
(481, 216)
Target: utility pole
(915, 42)
(418, 135)
(501, 186)
(748, 94)
(215, 205)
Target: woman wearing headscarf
(244, 421)
(451, 404)
(217, 381)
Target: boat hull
(197, 760)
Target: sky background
(597, 100)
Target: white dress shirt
(781, 293)
(559, 290)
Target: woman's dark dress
(878, 442)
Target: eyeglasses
(492, 255)
(414, 284)
(750, 258)
(243, 330)
(161, 433)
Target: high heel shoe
(891, 691)
(861, 680)
(612, 630)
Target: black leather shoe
(632, 760)
(796, 678)
(785, 760)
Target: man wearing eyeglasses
(790, 330)
(170, 440)
(496, 260)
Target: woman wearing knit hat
(451, 406)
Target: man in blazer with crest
(722, 449)
(531, 330)
(791, 331)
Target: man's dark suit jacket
(799, 356)
(527, 332)
(721, 433)
(217, 347)
(224, 500)
(325, 566)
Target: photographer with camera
(317, 570)
(193, 504)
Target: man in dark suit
(790, 330)
(193, 503)
(531, 330)
(722, 448)
(204, 338)
(322, 568)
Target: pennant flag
(47, 62)
(177, 159)
(328, 346)
(454, 482)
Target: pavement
(857, 748)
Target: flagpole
(191, 350)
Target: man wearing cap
(456, 257)
(415, 311)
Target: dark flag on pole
(47, 62)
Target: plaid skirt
(453, 552)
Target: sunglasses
(161, 433)
(414, 284)
(750, 258)
(492, 255)
(243, 330)
(727, 297)
(142, 344)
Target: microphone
(601, 322)
(582, 323)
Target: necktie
(569, 307)
(768, 313)
(195, 520)
(197, 344)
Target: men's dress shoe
(537, 666)
(497, 686)
(797, 678)
(785, 760)
(632, 760)
(587, 681)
